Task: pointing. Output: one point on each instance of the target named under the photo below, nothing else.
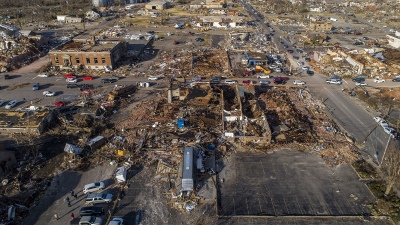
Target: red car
(59, 103)
(87, 77)
(247, 73)
(280, 80)
(246, 81)
(69, 75)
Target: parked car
(153, 78)
(248, 72)
(358, 79)
(279, 80)
(116, 221)
(87, 77)
(310, 72)
(334, 81)
(49, 93)
(114, 78)
(59, 103)
(1, 102)
(262, 76)
(278, 70)
(69, 75)
(86, 220)
(378, 80)
(35, 86)
(305, 68)
(265, 82)
(43, 75)
(71, 80)
(98, 199)
(361, 83)
(6, 77)
(11, 104)
(230, 81)
(92, 187)
(299, 82)
(396, 79)
(199, 39)
(381, 121)
(72, 85)
(307, 59)
(107, 80)
(246, 81)
(91, 211)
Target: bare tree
(391, 166)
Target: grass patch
(365, 170)
(361, 15)
(178, 11)
(138, 21)
(385, 205)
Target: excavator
(263, 70)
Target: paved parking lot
(290, 183)
(302, 221)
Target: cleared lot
(290, 183)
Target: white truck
(86, 220)
(333, 19)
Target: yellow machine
(263, 70)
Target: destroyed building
(95, 54)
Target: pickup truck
(98, 198)
(86, 220)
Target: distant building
(94, 54)
(102, 3)
(69, 19)
(187, 169)
(320, 26)
(156, 5)
(220, 21)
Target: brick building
(94, 54)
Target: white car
(107, 69)
(299, 82)
(262, 76)
(278, 70)
(377, 119)
(383, 123)
(153, 78)
(305, 68)
(362, 83)
(378, 80)
(335, 82)
(1, 102)
(272, 66)
(264, 82)
(116, 221)
(390, 129)
(11, 104)
(43, 75)
(71, 80)
(49, 93)
(92, 187)
(230, 81)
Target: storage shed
(157, 5)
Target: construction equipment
(202, 29)
(121, 91)
(263, 70)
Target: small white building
(61, 18)
(394, 40)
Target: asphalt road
(348, 112)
